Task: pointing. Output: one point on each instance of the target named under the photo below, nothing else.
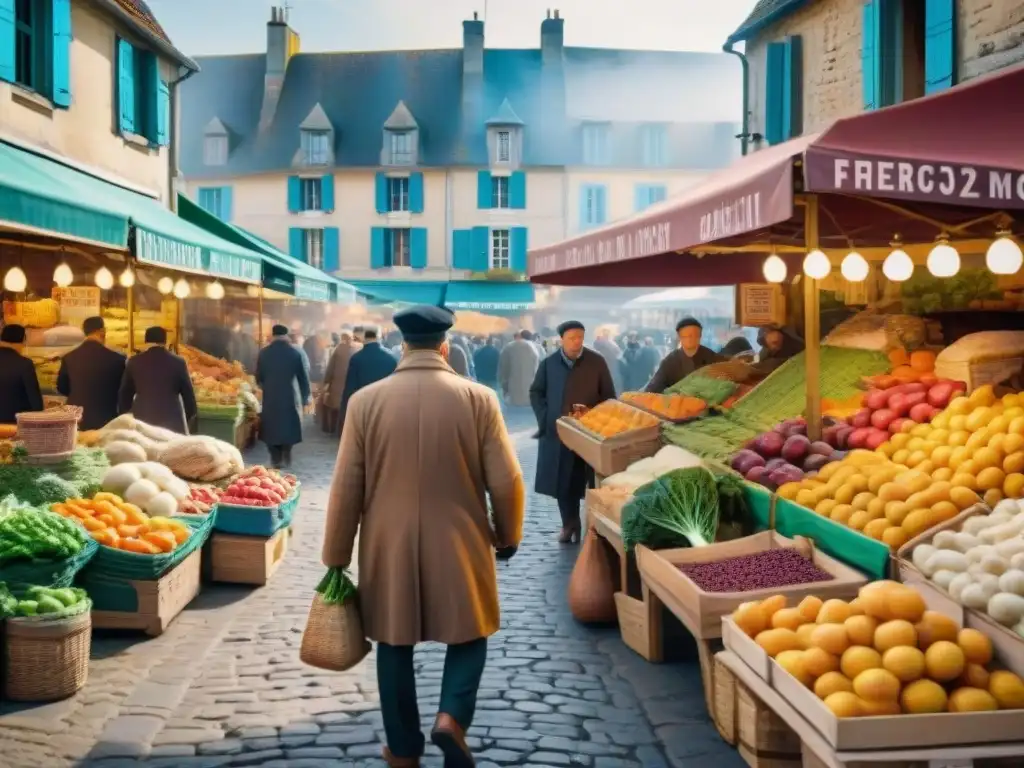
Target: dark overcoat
(19, 387)
(485, 360)
(370, 364)
(281, 372)
(157, 389)
(677, 365)
(556, 388)
(90, 377)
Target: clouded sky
(200, 27)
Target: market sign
(77, 303)
(501, 306)
(760, 304)
(235, 266)
(312, 290)
(156, 249)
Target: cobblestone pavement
(224, 686)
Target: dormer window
(653, 145)
(402, 149)
(504, 147)
(215, 150)
(316, 147)
(597, 144)
(505, 137)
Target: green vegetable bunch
(336, 587)
(678, 509)
(80, 476)
(712, 391)
(27, 533)
(43, 601)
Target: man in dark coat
(281, 372)
(370, 364)
(777, 346)
(571, 379)
(19, 387)
(156, 387)
(485, 360)
(691, 356)
(90, 376)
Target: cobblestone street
(224, 686)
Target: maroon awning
(958, 147)
(753, 193)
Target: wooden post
(812, 324)
(131, 317)
(259, 325)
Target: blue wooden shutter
(7, 68)
(152, 90)
(600, 200)
(226, 203)
(462, 249)
(294, 194)
(774, 87)
(518, 239)
(792, 89)
(380, 193)
(205, 193)
(869, 69)
(418, 247)
(641, 197)
(483, 190)
(126, 87)
(163, 113)
(584, 218)
(297, 243)
(939, 44)
(377, 247)
(60, 18)
(332, 249)
(480, 249)
(517, 190)
(416, 193)
(327, 193)
(656, 194)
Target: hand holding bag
(334, 639)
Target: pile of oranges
(673, 407)
(612, 418)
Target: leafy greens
(680, 508)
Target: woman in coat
(281, 372)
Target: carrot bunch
(115, 523)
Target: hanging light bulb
(1004, 256)
(898, 266)
(104, 279)
(63, 276)
(816, 265)
(15, 280)
(854, 268)
(215, 291)
(943, 261)
(774, 269)
(182, 289)
(165, 285)
(127, 279)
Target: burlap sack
(592, 584)
(333, 639)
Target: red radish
(898, 404)
(858, 438)
(922, 413)
(862, 418)
(896, 425)
(916, 398)
(843, 437)
(940, 394)
(876, 438)
(913, 386)
(959, 387)
(878, 399)
(881, 419)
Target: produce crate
(149, 606)
(723, 709)
(247, 559)
(811, 760)
(609, 455)
(706, 650)
(256, 521)
(117, 564)
(48, 573)
(662, 416)
(701, 612)
(224, 428)
(764, 740)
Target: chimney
(552, 34)
(473, 46)
(282, 44)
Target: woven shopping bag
(334, 639)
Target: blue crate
(255, 521)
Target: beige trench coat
(337, 370)
(420, 452)
(517, 367)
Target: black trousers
(569, 509)
(396, 679)
(280, 455)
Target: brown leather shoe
(451, 740)
(399, 762)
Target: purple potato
(745, 460)
(822, 448)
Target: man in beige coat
(334, 378)
(421, 452)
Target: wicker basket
(333, 639)
(51, 433)
(47, 659)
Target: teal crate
(118, 564)
(225, 429)
(48, 573)
(256, 521)
(844, 544)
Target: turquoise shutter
(517, 190)
(480, 249)
(377, 247)
(163, 113)
(600, 200)
(327, 193)
(462, 253)
(518, 238)
(483, 190)
(584, 213)
(774, 93)
(297, 243)
(380, 194)
(939, 44)
(332, 249)
(60, 18)
(418, 247)
(226, 203)
(126, 87)
(7, 68)
(869, 70)
(204, 200)
(152, 115)
(294, 194)
(416, 193)
(792, 89)
(657, 194)
(641, 197)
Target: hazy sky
(200, 27)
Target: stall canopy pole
(259, 326)
(131, 318)
(812, 325)
(177, 324)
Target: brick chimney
(282, 44)
(552, 38)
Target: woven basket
(47, 659)
(47, 573)
(51, 433)
(333, 639)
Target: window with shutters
(313, 246)
(397, 248)
(500, 258)
(398, 194)
(504, 147)
(215, 150)
(212, 200)
(597, 147)
(909, 49)
(29, 44)
(311, 191)
(592, 205)
(402, 148)
(316, 147)
(499, 192)
(652, 138)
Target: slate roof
(358, 92)
(766, 12)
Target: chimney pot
(476, 16)
(556, 14)
(549, 13)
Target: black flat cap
(570, 325)
(92, 325)
(13, 334)
(424, 322)
(155, 335)
(279, 330)
(687, 322)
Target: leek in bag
(334, 638)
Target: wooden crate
(247, 559)
(724, 700)
(706, 650)
(765, 741)
(159, 601)
(612, 454)
(811, 760)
